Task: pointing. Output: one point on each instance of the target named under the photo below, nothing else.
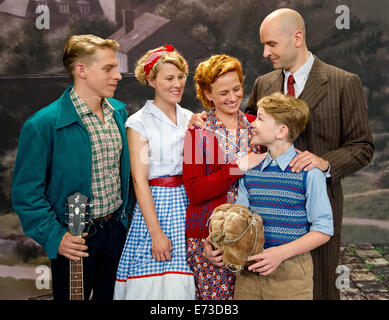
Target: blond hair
(208, 71)
(82, 48)
(173, 57)
(287, 110)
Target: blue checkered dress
(136, 260)
(139, 275)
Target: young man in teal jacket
(78, 144)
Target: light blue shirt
(165, 139)
(318, 207)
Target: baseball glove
(237, 232)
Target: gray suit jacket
(338, 130)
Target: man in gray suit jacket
(337, 140)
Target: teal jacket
(54, 160)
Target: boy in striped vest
(296, 212)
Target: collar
(301, 75)
(283, 160)
(151, 108)
(67, 113)
(213, 121)
(83, 109)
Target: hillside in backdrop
(228, 26)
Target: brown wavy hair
(208, 71)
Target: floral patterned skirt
(212, 282)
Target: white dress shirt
(165, 139)
(300, 76)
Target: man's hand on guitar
(73, 247)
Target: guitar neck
(76, 280)
(77, 204)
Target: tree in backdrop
(27, 50)
(99, 26)
(232, 28)
(361, 49)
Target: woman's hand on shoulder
(197, 120)
(250, 161)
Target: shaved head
(282, 34)
(287, 20)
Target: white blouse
(165, 139)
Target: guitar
(77, 204)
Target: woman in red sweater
(214, 158)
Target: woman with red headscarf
(153, 263)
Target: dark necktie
(290, 86)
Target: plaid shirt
(106, 144)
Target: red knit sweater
(206, 178)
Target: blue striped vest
(279, 198)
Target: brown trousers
(292, 280)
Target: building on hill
(140, 34)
